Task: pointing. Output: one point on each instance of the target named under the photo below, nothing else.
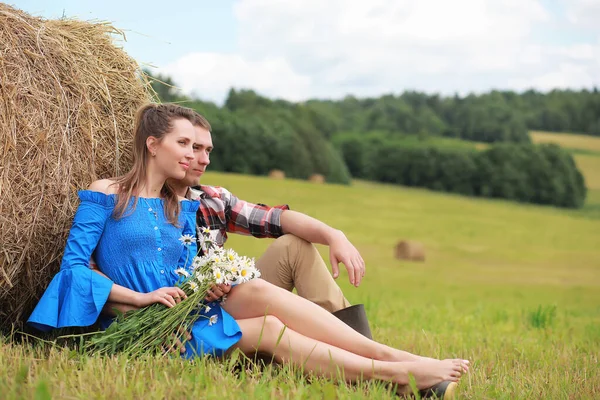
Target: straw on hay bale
(317, 178)
(276, 174)
(410, 250)
(68, 97)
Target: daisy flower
(206, 309)
(213, 320)
(187, 239)
(182, 272)
(193, 286)
(200, 278)
(245, 273)
(219, 276)
(198, 263)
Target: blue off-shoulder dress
(140, 251)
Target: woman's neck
(179, 188)
(152, 185)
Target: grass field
(568, 140)
(514, 288)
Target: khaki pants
(293, 262)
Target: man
(291, 261)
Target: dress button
(162, 271)
(150, 209)
(159, 249)
(156, 228)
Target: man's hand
(217, 291)
(342, 251)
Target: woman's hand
(217, 291)
(169, 296)
(178, 343)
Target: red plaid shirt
(222, 212)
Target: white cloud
(563, 76)
(584, 13)
(210, 75)
(315, 48)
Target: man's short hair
(202, 122)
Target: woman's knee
(273, 324)
(252, 286)
(271, 329)
(255, 290)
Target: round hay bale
(277, 174)
(410, 250)
(68, 97)
(317, 178)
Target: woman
(132, 225)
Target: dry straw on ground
(68, 96)
(410, 250)
(276, 174)
(317, 178)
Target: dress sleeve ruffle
(76, 295)
(189, 206)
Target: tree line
(541, 174)
(360, 138)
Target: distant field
(442, 142)
(568, 140)
(590, 168)
(515, 288)
(586, 151)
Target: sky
(298, 50)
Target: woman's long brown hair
(151, 120)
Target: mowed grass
(514, 288)
(568, 140)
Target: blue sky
(329, 49)
(156, 33)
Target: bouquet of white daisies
(154, 328)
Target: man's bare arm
(340, 249)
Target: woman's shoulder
(106, 186)
(187, 205)
(101, 192)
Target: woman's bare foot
(429, 373)
(464, 362)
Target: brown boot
(355, 317)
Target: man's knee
(289, 240)
(293, 245)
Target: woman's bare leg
(258, 298)
(268, 334)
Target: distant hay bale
(317, 178)
(276, 174)
(410, 250)
(68, 97)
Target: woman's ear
(152, 145)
